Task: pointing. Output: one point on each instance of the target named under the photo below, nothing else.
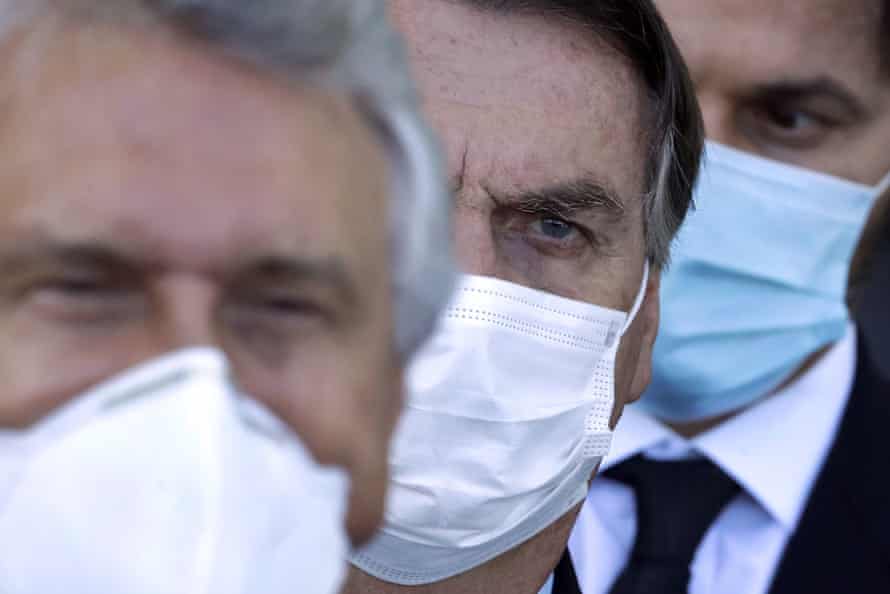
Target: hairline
(347, 48)
(661, 158)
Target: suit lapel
(842, 543)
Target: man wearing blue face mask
(756, 462)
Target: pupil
(556, 228)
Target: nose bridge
(719, 117)
(186, 306)
(474, 241)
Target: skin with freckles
(543, 125)
(799, 82)
(155, 197)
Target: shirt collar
(773, 450)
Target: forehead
(765, 39)
(529, 101)
(141, 140)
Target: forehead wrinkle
(129, 74)
(554, 121)
(489, 53)
(263, 150)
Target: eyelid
(283, 303)
(87, 282)
(825, 110)
(589, 236)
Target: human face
(799, 82)
(543, 128)
(154, 198)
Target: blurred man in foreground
(202, 200)
(756, 461)
(573, 139)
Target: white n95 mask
(507, 417)
(165, 481)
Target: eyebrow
(568, 199)
(88, 253)
(803, 89)
(330, 271)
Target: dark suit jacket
(842, 543)
(873, 309)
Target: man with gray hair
(573, 140)
(223, 231)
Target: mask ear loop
(597, 434)
(882, 186)
(641, 295)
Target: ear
(648, 319)
(635, 353)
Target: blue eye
(554, 228)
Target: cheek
(44, 366)
(626, 365)
(343, 403)
(339, 398)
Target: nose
(473, 239)
(721, 122)
(717, 118)
(186, 309)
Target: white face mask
(507, 418)
(164, 481)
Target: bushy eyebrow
(791, 90)
(330, 273)
(15, 257)
(568, 199)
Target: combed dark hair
(635, 28)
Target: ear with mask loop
(882, 186)
(597, 433)
(613, 338)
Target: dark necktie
(676, 503)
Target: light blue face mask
(757, 284)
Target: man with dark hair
(757, 460)
(573, 141)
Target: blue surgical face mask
(757, 284)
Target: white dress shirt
(774, 451)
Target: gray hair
(343, 45)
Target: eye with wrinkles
(278, 313)
(791, 127)
(82, 297)
(550, 234)
(800, 115)
(284, 307)
(554, 228)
